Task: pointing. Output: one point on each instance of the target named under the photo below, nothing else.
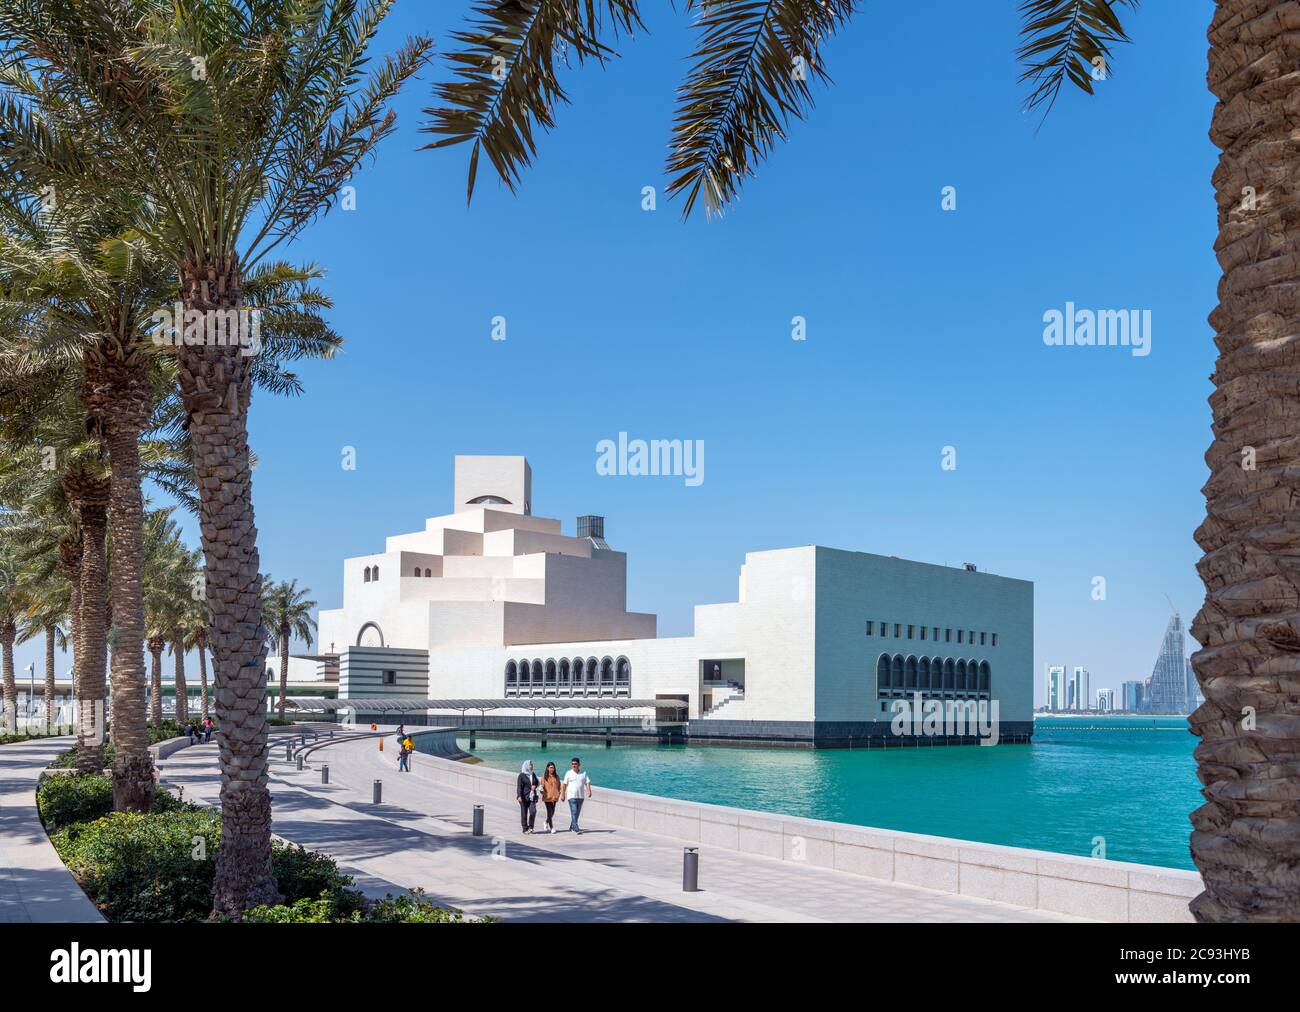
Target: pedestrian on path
(551, 791)
(576, 782)
(403, 762)
(526, 791)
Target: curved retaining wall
(1039, 880)
(439, 742)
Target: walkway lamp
(31, 692)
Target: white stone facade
(509, 606)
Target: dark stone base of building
(735, 733)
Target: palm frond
(504, 78)
(1066, 40)
(753, 67)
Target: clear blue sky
(924, 329)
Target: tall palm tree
(49, 599)
(87, 292)
(196, 639)
(239, 121)
(12, 604)
(286, 613)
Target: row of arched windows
(371, 573)
(931, 673)
(419, 572)
(537, 677)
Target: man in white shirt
(576, 782)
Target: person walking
(526, 791)
(207, 730)
(575, 789)
(402, 754)
(551, 791)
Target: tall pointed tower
(1169, 676)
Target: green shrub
(302, 874)
(64, 800)
(156, 867)
(413, 908)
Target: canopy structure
(407, 704)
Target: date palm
(48, 602)
(13, 602)
(286, 612)
(196, 639)
(239, 120)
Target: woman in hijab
(526, 791)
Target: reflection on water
(1130, 781)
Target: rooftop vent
(593, 529)
(968, 566)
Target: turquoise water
(1132, 781)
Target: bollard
(378, 794)
(325, 774)
(288, 750)
(478, 820)
(691, 870)
(300, 761)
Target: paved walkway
(420, 836)
(34, 884)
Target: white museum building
(490, 602)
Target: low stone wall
(165, 748)
(1038, 880)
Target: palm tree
(49, 599)
(181, 616)
(196, 639)
(286, 613)
(12, 604)
(239, 121)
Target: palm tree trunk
(155, 680)
(8, 634)
(182, 690)
(70, 566)
(216, 388)
(284, 670)
(49, 679)
(89, 499)
(124, 394)
(203, 677)
(1246, 836)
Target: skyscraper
(1079, 689)
(1105, 700)
(1168, 692)
(1056, 687)
(1132, 697)
(1194, 695)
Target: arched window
(623, 671)
(607, 671)
(579, 666)
(537, 672)
(961, 676)
(882, 672)
(366, 576)
(376, 576)
(564, 671)
(984, 676)
(948, 675)
(923, 674)
(897, 666)
(550, 672)
(591, 670)
(909, 672)
(512, 673)
(523, 673)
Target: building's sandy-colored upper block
(504, 483)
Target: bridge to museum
(666, 719)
